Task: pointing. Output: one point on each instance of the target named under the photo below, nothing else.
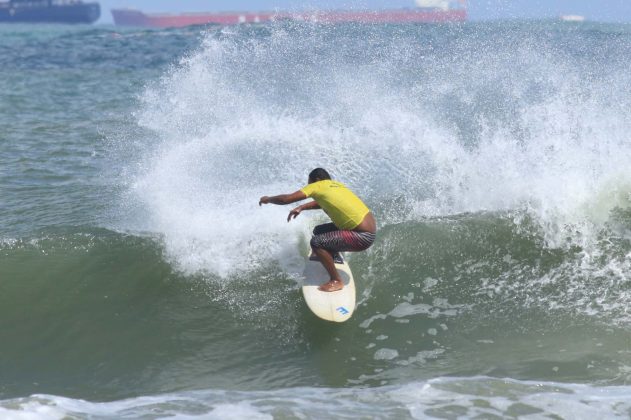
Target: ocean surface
(139, 278)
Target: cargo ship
(49, 11)
(427, 11)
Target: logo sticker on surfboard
(342, 310)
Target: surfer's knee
(315, 243)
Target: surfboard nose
(335, 306)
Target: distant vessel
(49, 11)
(427, 11)
(572, 18)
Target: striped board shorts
(329, 237)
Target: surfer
(353, 228)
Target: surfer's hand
(263, 200)
(294, 213)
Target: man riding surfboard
(353, 228)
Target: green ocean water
(140, 278)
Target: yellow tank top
(344, 208)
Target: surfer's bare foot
(332, 286)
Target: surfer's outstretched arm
(313, 205)
(283, 199)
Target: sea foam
(463, 124)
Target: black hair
(319, 174)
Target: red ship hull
(136, 18)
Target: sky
(598, 10)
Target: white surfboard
(331, 306)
